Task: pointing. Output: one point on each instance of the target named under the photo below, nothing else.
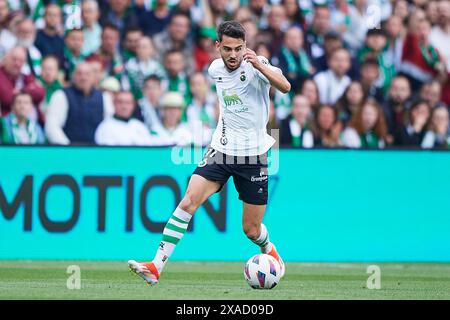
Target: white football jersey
(244, 109)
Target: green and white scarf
(369, 140)
(303, 62)
(30, 128)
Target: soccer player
(239, 147)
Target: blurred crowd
(364, 73)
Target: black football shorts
(249, 174)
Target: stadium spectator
(26, 35)
(50, 39)
(333, 82)
(259, 10)
(13, 80)
(294, 15)
(50, 80)
(438, 134)
(326, 128)
(396, 105)
(122, 129)
(431, 93)
(413, 130)
(431, 11)
(7, 38)
(193, 9)
(150, 103)
(293, 59)
(406, 38)
(75, 112)
(97, 71)
(201, 112)
(440, 34)
(143, 66)
(311, 92)
(367, 128)
(219, 10)
(273, 34)
(243, 14)
(376, 46)
(295, 129)
(401, 10)
(370, 76)
(263, 49)
(395, 32)
(176, 37)
(91, 27)
(155, 20)
(332, 41)
(18, 127)
(251, 34)
(108, 53)
(315, 35)
(119, 14)
(130, 43)
(73, 42)
(204, 50)
(421, 61)
(359, 21)
(176, 77)
(340, 16)
(173, 132)
(350, 102)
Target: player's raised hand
(251, 57)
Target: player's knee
(251, 230)
(190, 202)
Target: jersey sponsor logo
(262, 176)
(231, 99)
(258, 179)
(240, 110)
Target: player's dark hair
(232, 29)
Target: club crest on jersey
(243, 77)
(231, 99)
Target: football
(262, 271)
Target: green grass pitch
(221, 280)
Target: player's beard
(234, 66)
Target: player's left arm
(276, 78)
